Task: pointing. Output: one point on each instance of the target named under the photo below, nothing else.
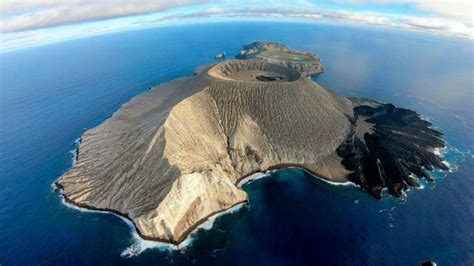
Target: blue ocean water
(49, 95)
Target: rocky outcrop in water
(219, 56)
(173, 156)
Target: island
(306, 63)
(174, 155)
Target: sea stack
(173, 156)
(219, 56)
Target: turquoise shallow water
(49, 95)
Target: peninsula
(173, 156)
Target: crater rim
(253, 71)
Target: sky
(32, 22)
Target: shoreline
(58, 188)
(187, 233)
(199, 224)
(186, 238)
(246, 179)
(141, 243)
(250, 178)
(264, 173)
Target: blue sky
(26, 23)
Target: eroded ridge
(171, 157)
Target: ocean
(49, 95)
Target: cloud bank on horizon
(24, 21)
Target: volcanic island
(174, 155)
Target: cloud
(34, 14)
(215, 10)
(35, 22)
(430, 24)
(455, 16)
(437, 25)
(459, 10)
(462, 10)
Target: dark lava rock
(395, 144)
(269, 78)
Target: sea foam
(75, 151)
(252, 178)
(139, 244)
